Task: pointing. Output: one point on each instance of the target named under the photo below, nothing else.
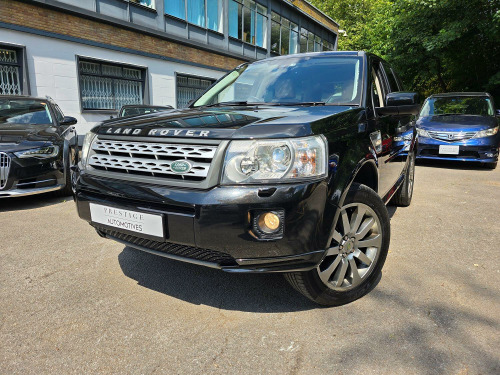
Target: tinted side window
(378, 86)
(59, 114)
(393, 83)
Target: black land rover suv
(283, 165)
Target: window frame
(22, 63)
(254, 13)
(138, 3)
(188, 75)
(221, 15)
(292, 27)
(144, 79)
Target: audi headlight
(89, 137)
(486, 133)
(422, 133)
(275, 160)
(45, 152)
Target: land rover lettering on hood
(283, 165)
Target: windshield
(460, 105)
(312, 79)
(24, 111)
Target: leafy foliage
(436, 45)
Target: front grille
(4, 169)
(183, 251)
(451, 136)
(152, 159)
(462, 154)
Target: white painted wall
(52, 71)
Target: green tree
(436, 45)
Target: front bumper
(214, 227)
(33, 176)
(482, 150)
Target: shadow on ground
(430, 324)
(263, 293)
(31, 202)
(267, 293)
(450, 164)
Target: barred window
(10, 71)
(189, 88)
(106, 86)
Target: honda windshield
(457, 105)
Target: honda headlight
(89, 137)
(45, 152)
(422, 133)
(275, 160)
(486, 133)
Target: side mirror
(395, 99)
(68, 120)
(400, 103)
(498, 112)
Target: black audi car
(37, 147)
(283, 165)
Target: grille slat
(184, 251)
(152, 159)
(451, 136)
(5, 162)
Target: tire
(67, 190)
(334, 281)
(404, 194)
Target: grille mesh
(184, 251)
(451, 136)
(4, 169)
(153, 159)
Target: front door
(386, 127)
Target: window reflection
(248, 22)
(203, 13)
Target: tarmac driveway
(74, 303)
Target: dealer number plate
(448, 150)
(133, 221)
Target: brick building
(93, 56)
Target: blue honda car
(459, 126)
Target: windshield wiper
(236, 104)
(250, 104)
(294, 104)
(451, 114)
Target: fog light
(268, 225)
(269, 222)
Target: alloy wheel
(354, 248)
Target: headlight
(422, 133)
(486, 133)
(401, 138)
(274, 160)
(89, 137)
(45, 152)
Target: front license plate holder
(449, 150)
(129, 221)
